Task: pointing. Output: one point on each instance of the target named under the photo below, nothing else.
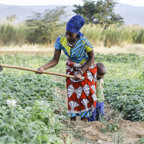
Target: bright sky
(62, 2)
(132, 2)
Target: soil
(97, 132)
(127, 132)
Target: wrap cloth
(81, 93)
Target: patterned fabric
(99, 90)
(81, 114)
(81, 93)
(76, 54)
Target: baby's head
(101, 70)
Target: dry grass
(126, 48)
(137, 49)
(25, 47)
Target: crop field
(28, 101)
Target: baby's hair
(101, 67)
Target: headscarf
(75, 24)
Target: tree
(43, 26)
(11, 18)
(100, 12)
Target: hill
(132, 15)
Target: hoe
(33, 70)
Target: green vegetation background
(33, 119)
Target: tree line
(43, 28)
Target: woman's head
(73, 27)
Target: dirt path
(96, 132)
(91, 133)
(114, 129)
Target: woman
(81, 93)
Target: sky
(63, 2)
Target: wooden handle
(30, 69)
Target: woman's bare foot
(73, 118)
(84, 119)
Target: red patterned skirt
(81, 93)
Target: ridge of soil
(96, 132)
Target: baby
(99, 113)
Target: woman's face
(71, 37)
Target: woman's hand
(78, 75)
(40, 70)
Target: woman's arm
(51, 63)
(86, 65)
(89, 61)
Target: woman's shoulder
(62, 36)
(83, 38)
(59, 38)
(85, 41)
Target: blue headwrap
(75, 24)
